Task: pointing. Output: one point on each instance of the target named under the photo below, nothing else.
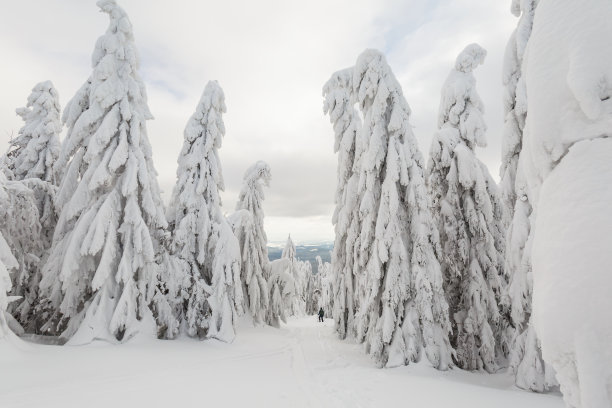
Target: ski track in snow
(303, 364)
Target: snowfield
(303, 364)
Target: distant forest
(305, 253)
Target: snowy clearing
(302, 364)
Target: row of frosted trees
(433, 259)
(429, 260)
(91, 249)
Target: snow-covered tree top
(121, 26)
(114, 81)
(289, 250)
(371, 74)
(460, 106)
(471, 57)
(199, 169)
(337, 93)
(258, 173)
(252, 194)
(37, 146)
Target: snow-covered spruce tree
(340, 105)
(31, 157)
(7, 263)
(325, 284)
(468, 209)
(203, 240)
(327, 289)
(313, 293)
(404, 310)
(525, 357)
(304, 273)
(282, 291)
(295, 305)
(100, 278)
(255, 266)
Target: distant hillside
(305, 252)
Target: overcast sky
(271, 57)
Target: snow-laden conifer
(325, 281)
(255, 266)
(295, 305)
(340, 106)
(31, 157)
(8, 262)
(468, 209)
(101, 276)
(403, 309)
(313, 294)
(282, 291)
(203, 240)
(525, 355)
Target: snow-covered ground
(302, 364)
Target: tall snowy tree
(255, 267)
(295, 305)
(202, 238)
(325, 282)
(31, 157)
(340, 106)
(101, 277)
(282, 291)
(525, 355)
(403, 310)
(313, 294)
(469, 212)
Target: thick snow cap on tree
(339, 105)
(460, 100)
(249, 229)
(568, 71)
(100, 276)
(202, 238)
(403, 309)
(469, 213)
(34, 151)
(573, 101)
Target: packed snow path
(302, 364)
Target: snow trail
(302, 364)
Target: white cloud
(272, 58)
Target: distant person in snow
(321, 314)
